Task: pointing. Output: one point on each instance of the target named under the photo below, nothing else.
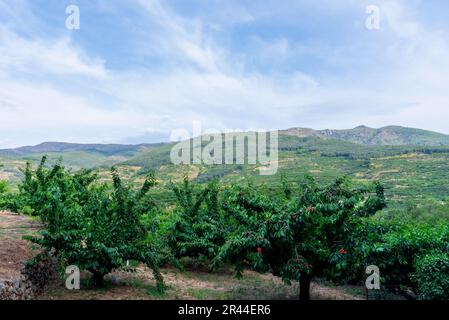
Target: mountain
(411, 171)
(60, 147)
(390, 135)
(362, 135)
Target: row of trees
(298, 232)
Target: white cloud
(45, 56)
(183, 38)
(53, 89)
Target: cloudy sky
(137, 69)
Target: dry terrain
(15, 251)
(140, 285)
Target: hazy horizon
(136, 70)
(167, 140)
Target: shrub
(89, 225)
(13, 202)
(432, 276)
(397, 251)
(3, 187)
(310, 235)
(40, 269)
(198, 229)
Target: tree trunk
(98, 279)
(304, 287)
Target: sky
(136, 70)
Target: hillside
(409, 171)
(74, 155)
(390, 135)
(52, 147)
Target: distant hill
(62, 147)
(411, 162)
(390, 135)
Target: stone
(16, 289)
(17, 284)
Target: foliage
(40, 269)
(432, 275)
(216, 172)
(430, 212)
(337, 148)
(14, 203)
(198, 228)
(3, 187)
(152, 158)
(309, 235)
(400, 246)
(9, 201)
(88, 224)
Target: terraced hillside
(412, 171)
(408, 172)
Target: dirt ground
(14, 251)
(140, 285)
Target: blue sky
(138, 69)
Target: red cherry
(342, 251)
(259, 250)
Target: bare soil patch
(14, 250)
(198, 285)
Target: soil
(14, 250)
(192, 285)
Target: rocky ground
(14, 252)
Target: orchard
(298, 232)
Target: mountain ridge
(388, 135)
(53, 146)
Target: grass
(149, 289)
(202, 294)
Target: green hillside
(390, 135)
(11, 164)
(63, 147)
(410, 172)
